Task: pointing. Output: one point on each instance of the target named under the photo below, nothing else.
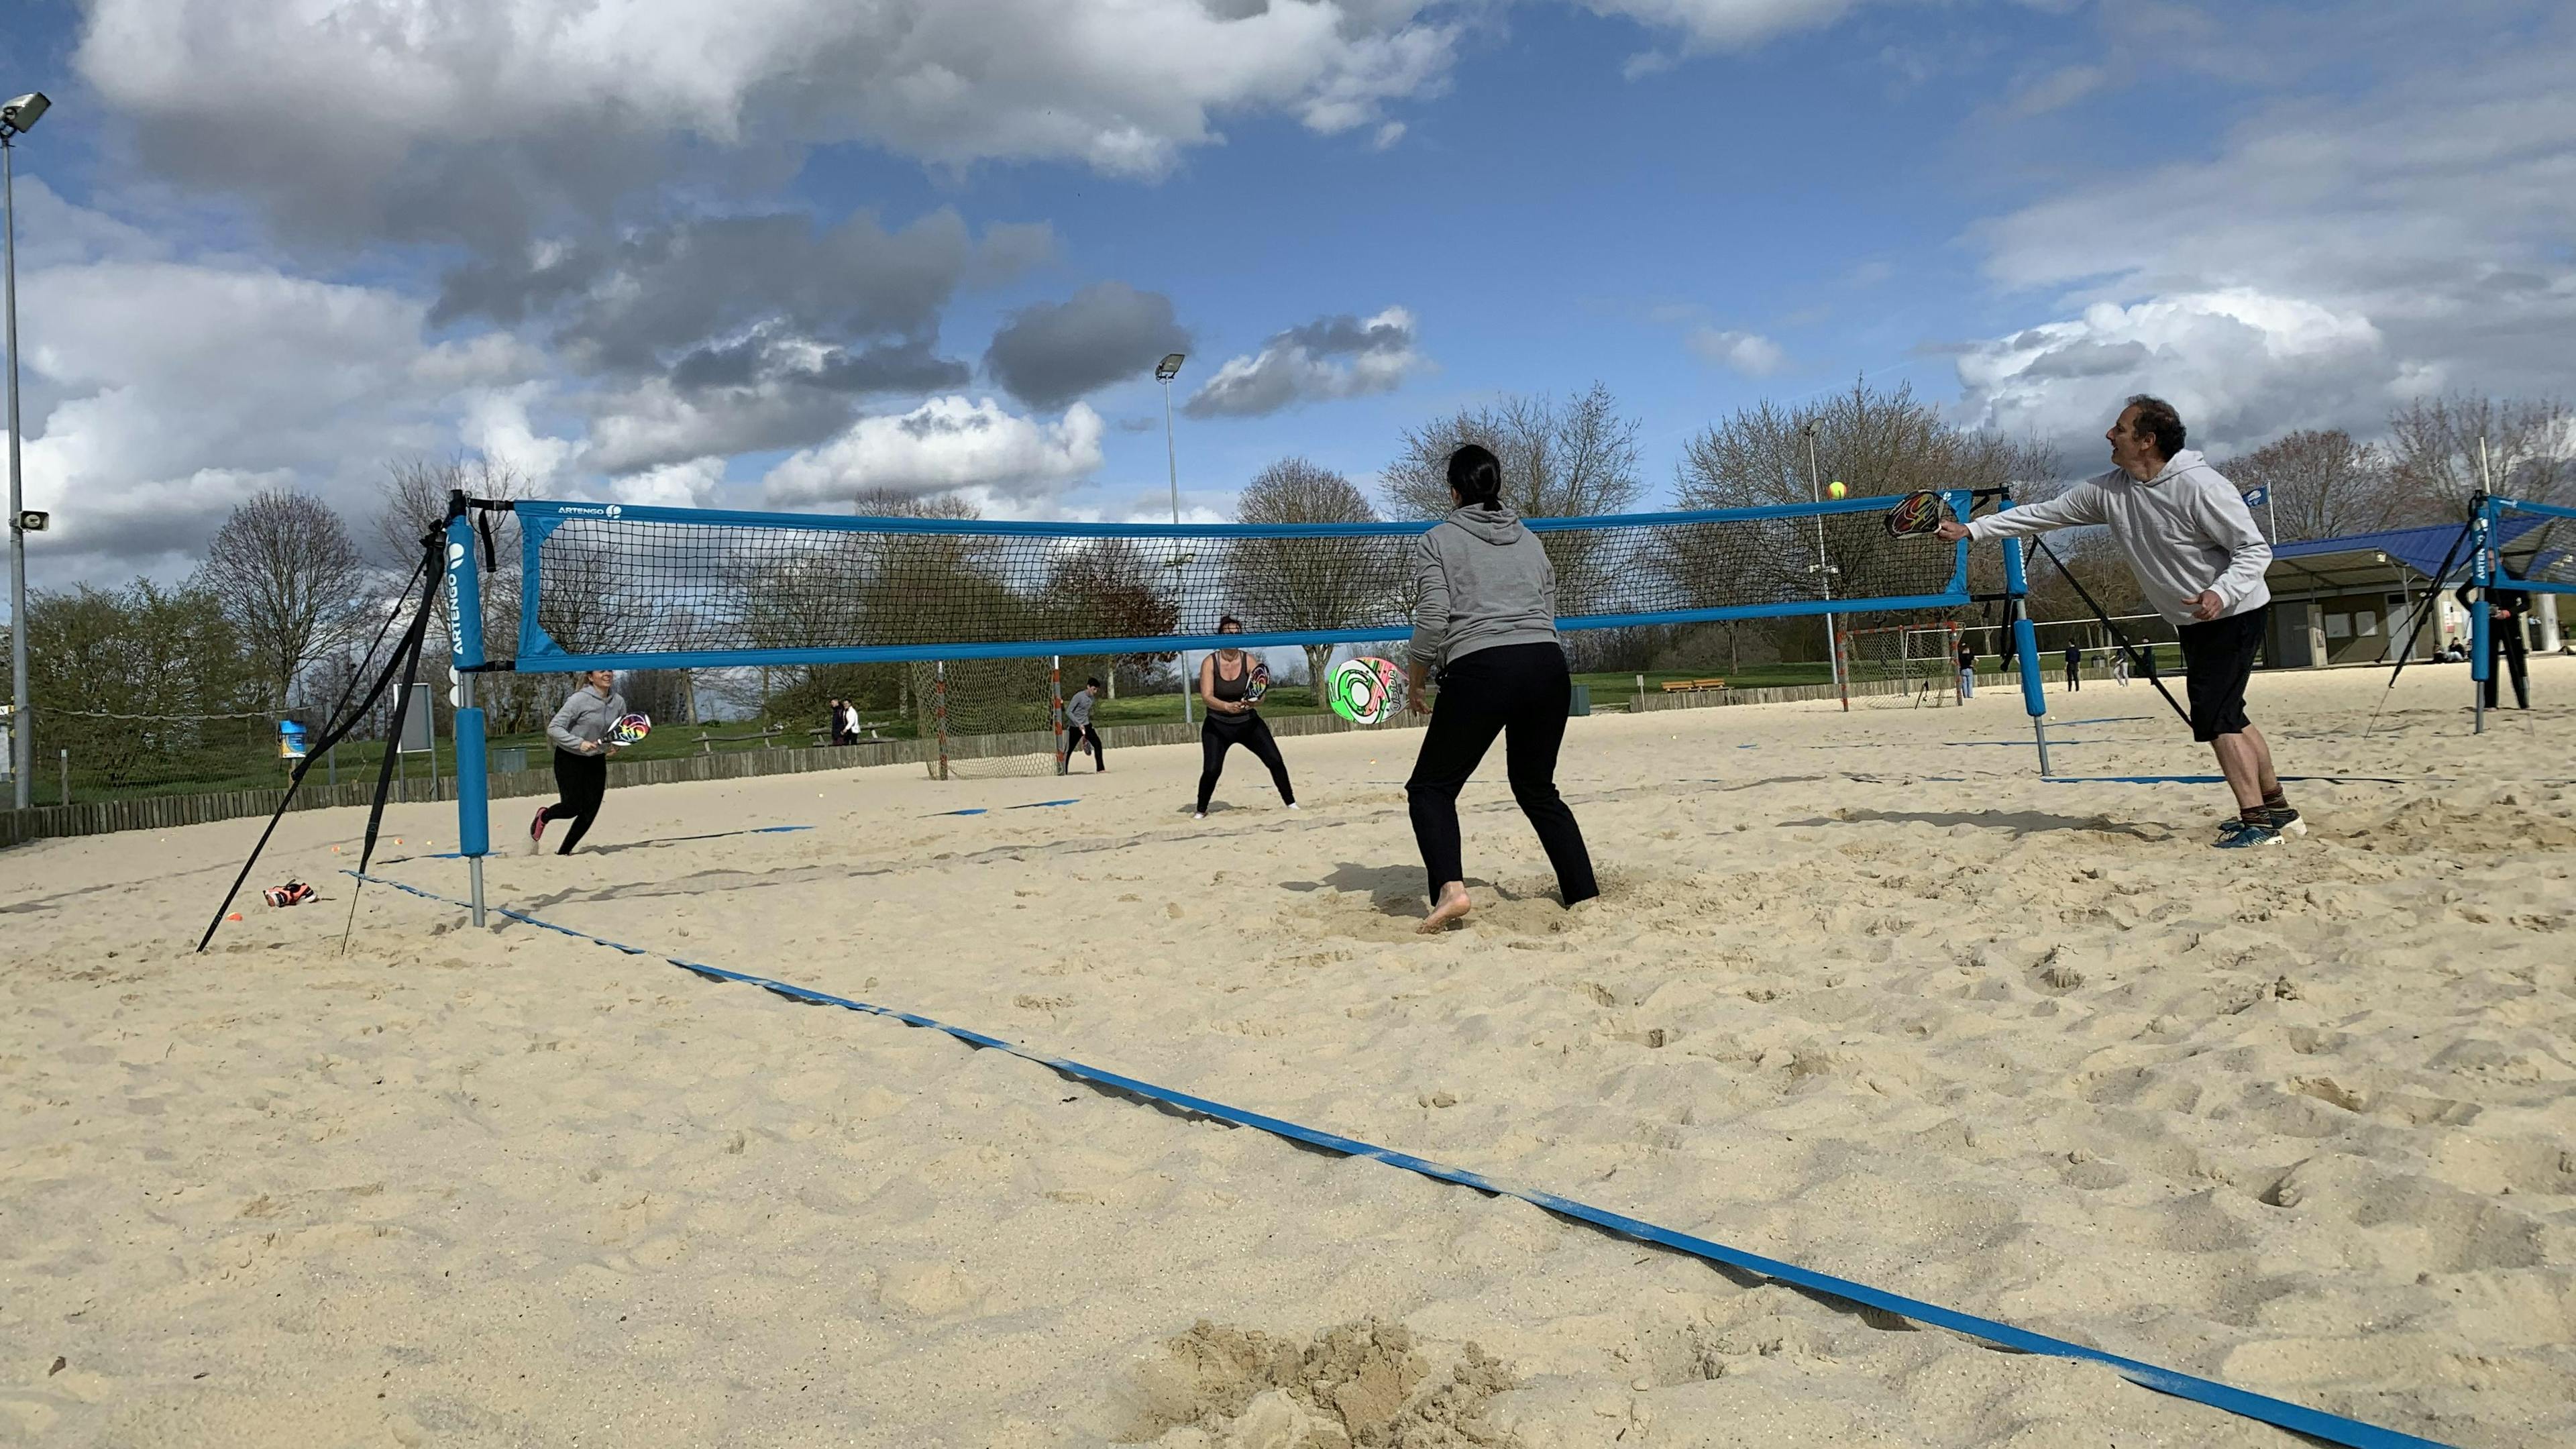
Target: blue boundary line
(662, 840)
(2222, 779)
(2333, 1428)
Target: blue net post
(465, 645)
(2034, 700)
(2481, 629)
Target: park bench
(1692, 686)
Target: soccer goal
(1916, 665)
(989, 719)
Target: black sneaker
(2287, 821)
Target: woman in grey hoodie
(1487, 625)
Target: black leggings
(1519, 691)
(1248, 731)
(2504, 637)
(580, 780)
(1086, 735)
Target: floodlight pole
(1164, 372)
(22, 734)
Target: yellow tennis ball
(1835, 489)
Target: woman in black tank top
(1224, 680)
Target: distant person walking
(2074, 668)
(2504, 635)
(2193, 545)
(1077, 725)
(2120, 666)
(1487, 625)
(1967, 671)
(579, 731)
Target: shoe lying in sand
(2245, 834)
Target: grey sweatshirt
(1484, 581)
(584, 718)
(2184, 530)
(1077, 709)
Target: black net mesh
(673, 587)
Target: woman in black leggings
(580, 734)
(1487, 623)
(1231, 720)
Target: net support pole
(465, 645)
(939, 711)
(1055, 707)
(2481, 626)
(2034, 698)
(1842, 665)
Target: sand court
(1864, 993)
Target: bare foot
(1451, 908)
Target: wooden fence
(162, 812)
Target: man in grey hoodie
(2191, 541)
(1487, 623)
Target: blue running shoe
(2242, 834)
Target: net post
(1842, 669)
(1055, 707)
(465, 649)
(2481, 627)
(2034, 699)
(939, 711)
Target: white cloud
(673, 485)
(2332, 256)
(1722, 24)
(2239, 365)
(1749, 353)
(1330, 357)
(162, 393)
(945, 445)
(444, 116)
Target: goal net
(1910, 664)
(988, 718)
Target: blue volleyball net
(612, 586)
(2532, 546)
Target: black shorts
(2217, 660)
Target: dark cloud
(1330, 357)
(910, 366)
(1052, 353)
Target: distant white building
(2354, 600)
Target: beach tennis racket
(1362, 691)
(1916, 515)
(1257, 684)
(628, 730)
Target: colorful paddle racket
(1916, 514)
(1257, 685)
(1363, 690)
(629, 729)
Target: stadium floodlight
(1164, 372)
(16, 117)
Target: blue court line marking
(2106, 719)
(1044, 804)
(936, 814)
(2222, 779)
(665, 840)
(2333, 1428)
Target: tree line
(282, 612)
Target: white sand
(2297, 1119)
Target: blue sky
(613, 244)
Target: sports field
(1865, 994)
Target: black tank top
(1232, 690)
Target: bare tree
(1113, 587)
(2323, 483)
(2434, 456)
(289, 578)
(1877, 444)
(1312, 583)
(1575, 459)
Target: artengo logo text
(590, 510)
